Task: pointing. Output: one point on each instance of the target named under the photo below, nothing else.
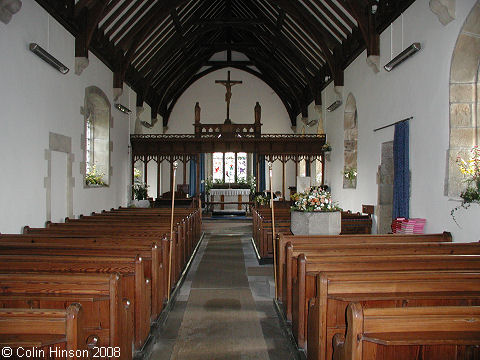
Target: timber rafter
(297, 47)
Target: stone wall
(464, 99)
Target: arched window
(97, 138)
(229, 167)
(350, 143)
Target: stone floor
(224, 309)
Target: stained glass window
(229, 167)
(242, 166)
(218, 167)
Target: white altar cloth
(230, 195)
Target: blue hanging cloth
(193, 177)
(262, 173)
(401, 182)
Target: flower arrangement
(314, 199)
(326, 147)
(471, 174)
(140, 189)
(93, 177)
(261, 200)
(350, 173)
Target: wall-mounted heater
(334, 106)
(404, 55)
(49, 59)
(123, 109)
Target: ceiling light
(122, 108)
(334, 106)
(405, 54)
(45, 56)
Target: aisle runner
(220, 320)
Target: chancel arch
(464, 99)
(350, 143)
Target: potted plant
(471, 174)
(93, 178)
(350, 177)
(315, 213)
(140, 191)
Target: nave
(224, 309)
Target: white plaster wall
(36, 99)
(420, 88)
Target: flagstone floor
(224, 309)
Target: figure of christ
(228, 95)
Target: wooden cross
(228, 84)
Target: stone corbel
(338, 92)
(81, 63)
(8, 8)
(374, 62)
(444, 9)
(117, 92)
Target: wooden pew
(355, 223)
(46, 329)
(304, 288)
(352, 223)
(398, 333)
(283, 239)
(131, 270)
(108, 318)
(262, 228)
(380, 289)
(119, 233)
(156, 253)
(106, 229)
(318, 251)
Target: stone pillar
(385, 189)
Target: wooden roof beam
(81, 5)
(124, 62)
(155, 16)
(87, 20)
(366, 19)
(306, 21)
(287, 102)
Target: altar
(229, 199)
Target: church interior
(240, 179)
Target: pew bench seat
(402, 328)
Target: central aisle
(225, 308)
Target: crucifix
(228, 95)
